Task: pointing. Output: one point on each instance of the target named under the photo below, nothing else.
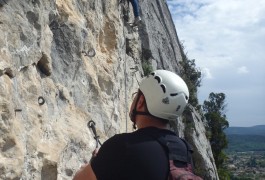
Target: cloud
(242, 70)
(206, 73)
(226, 40)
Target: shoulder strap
(189, 149)
(176, 148)
(181, 155)
(189, 152)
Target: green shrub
(147, 68)
(192, 76)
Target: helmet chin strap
(133, 115)
(135, 112)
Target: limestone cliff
(65, 62)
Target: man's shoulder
(121, 136)
(144, 133)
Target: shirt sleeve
(108, 160)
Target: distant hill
(241, 139)
(254, 130)
(243, 143)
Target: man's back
(133, 156)
(143, 155)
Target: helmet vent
(174, 94)
(178, 108)
(163, 87)
(165, 100)
(158, 79)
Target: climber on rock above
(137, 18)
(141, 155)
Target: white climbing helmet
(166, 94)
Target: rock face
(63, 63)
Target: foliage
(246, 165)
(215, 104)
(252, 162)
(216, 121)
(237, 177)
(254, 130)
(243, 143)
(223, 173)
(192, 76)
(208, 134)
(147, 68)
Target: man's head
(165, 95)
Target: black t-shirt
(132, 156)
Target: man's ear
(141, 103)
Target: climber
(137, 18)
(161, 98)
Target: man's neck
(147, 121)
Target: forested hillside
(242, 139)
(254, 130)
(243, 143)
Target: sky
(227, 40)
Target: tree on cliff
(192, 76)
(214, 110)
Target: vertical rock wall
(65, 62)
(160, 43)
